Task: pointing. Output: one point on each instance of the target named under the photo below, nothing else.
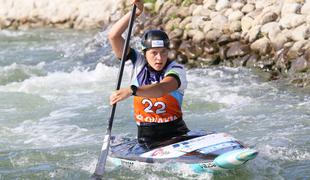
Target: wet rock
(5, 23)
(299, 82)
(192, 52)
(262, 46)
(210, 48)
(182, 59)
(213, 35)
(253, 33)
(198, 36)
(224, 39)
(300, 65)
(235, 36)
(252, 61)
(237, 49)
(193, 63)
(228, 63)
(209, 59)
(296, 49)
(172, 54)
(183, 46)
(237, 62)
(281, 62)
(175, 43)
(265, 64)
(279, 41)
(292, 54)
(222, 52)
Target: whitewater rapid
(54, 89)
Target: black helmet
(154, 38)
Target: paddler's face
(157, 58)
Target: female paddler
(157, 84)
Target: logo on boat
(182, 146)
(128, 164)
(160, 152)
(207, 165)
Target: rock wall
(271, 35)
(78, 14)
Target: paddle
(99, 171)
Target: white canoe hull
(208, 153)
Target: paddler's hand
(140, 6)
(120, 95)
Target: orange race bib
(156, 110)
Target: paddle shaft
(99, 171)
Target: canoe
(198, 152)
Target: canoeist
(157, 84)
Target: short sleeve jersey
(157, 110)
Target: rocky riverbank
(270, 35)
(77, 14)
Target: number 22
(161, 107)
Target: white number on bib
(160, 106)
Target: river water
(54, 89)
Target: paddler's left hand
(140, 6)
(120, 95)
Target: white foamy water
(54, 90)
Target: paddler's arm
(115, 34)
(165, 86)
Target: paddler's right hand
(120, 95)
(140, 6)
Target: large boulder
(262, 46)
(292, 20)
(237, 49)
